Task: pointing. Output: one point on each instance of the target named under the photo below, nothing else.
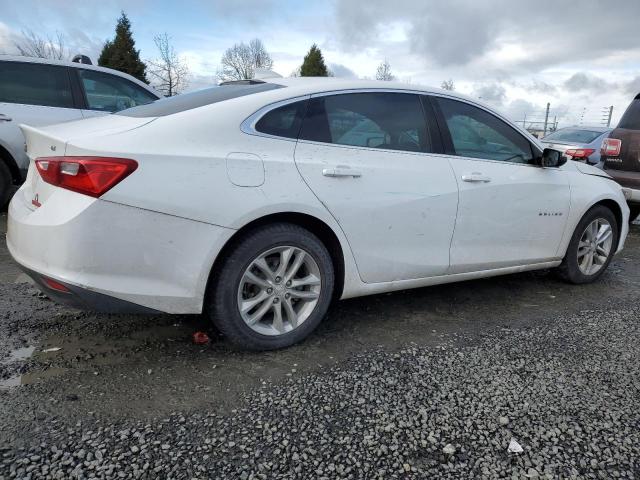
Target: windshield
(573, 135)
(199, 98)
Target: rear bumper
(102, 249)
(626, 179)
(631, 195)
(84, 299)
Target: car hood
(591, 170)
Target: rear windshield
(199, 98)
(573, 135)
(631, 118)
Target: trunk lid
(52, 141)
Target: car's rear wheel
(273, 288)
(635, 212)
(6, 184)
(592, 246)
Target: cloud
(340, 70)
(517, 34)
(582, 81)
(493, 93)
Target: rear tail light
(92, 176)
(611, 147)
(53, 285)
(579, 152)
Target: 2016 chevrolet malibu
(260, 202)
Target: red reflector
(53, 285)
(611, 147)
(92, 176)
(579, 152)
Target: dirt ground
(116, 367)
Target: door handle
(476, 177)
(341, 172)
(4, 118)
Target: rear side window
(631, 117)
(393, 121)
(199, 98)
(35, 84)
(478, 134)
(284, 121)
(110, 93)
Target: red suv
(621, 155)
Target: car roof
(64, 63)
(310, 85)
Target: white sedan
(259, 202)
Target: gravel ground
(430, 383)
(567, 391)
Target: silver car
(578, 143)
(37, 92)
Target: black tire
(222, 306)
(569, 269)
(6, 185)
(635, 212)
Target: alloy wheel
(279, 290)
(594, 247)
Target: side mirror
(552, 158)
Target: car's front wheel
(273, 288)
(592, 246)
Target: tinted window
(110, 93)
(283, 121)
(35, 84)
(573, 135)
(199, 98)
(478, 134)
(631, 117)
(392, 121)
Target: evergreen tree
(313, 64)
(121, 54)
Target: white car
(38, 92)
(258, 202)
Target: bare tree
(447, 85)
(33, 45)
(169, 73)
(384, 71)
(240, 61)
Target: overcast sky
(517, 55)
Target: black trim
(79, 98)
(445, 135)
(88, 300)
(437, 144)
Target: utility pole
(610, 115)
(546, 119)
(524, 122)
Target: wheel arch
(617, 212)
(9, 161)
(316, 226)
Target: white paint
(153, 238)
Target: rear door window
(35, 84)
(385, 120)
(110, 93)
